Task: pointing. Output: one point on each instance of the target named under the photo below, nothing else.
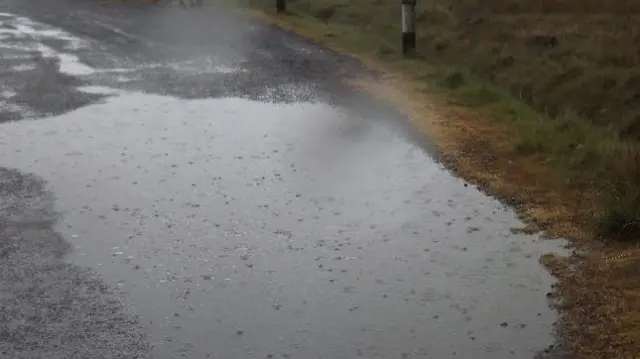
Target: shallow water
(293, 221)
(314, 233)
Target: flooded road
(244, 203)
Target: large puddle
(240, 229)
(244, 229)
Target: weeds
(621, 217)
(452, 80)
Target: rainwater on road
(244, 203)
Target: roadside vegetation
(538, 102)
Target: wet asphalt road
(183, 183)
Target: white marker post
(408, 26)
(281, 5)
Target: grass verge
(539, 106)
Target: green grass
(565, 83)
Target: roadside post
(408, 26)
(281, 5)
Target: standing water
(247, 227)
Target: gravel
(49, 307)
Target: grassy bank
(539, 103)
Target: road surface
(193, 183)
